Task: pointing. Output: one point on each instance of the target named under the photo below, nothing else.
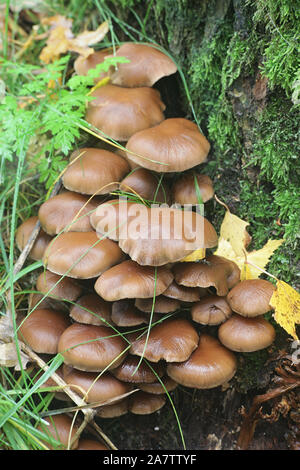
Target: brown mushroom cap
(251, 297)
(209, 366)
(133, 371)
(129, 280)
(95, 171)
(173, 340)
(176, 144)
(111, 216)
(162, 304)
(145, 184)
(83, 64)
(42, 329)
(94, 387)
(159, 235)
(91, 309)
(90, 444)
(68, 211)
(124, 313)
(121, 112)
(147, 65)
(157, 388)
(62, 429)
(92, 348)
(211, 310)
(184, 190)
(143, 403)
(81, 255)
(23, 234)
(58, 287)
(246, 334)
(185, 294)
(214, 271)
(114, 410)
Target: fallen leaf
(61, 39)
(9, 356)
(286, 303)
(194, 256)
(233, 242)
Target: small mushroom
(129, 280)
(83, 64)
(214, 271)
(90, 309)
(211, 310)
(161, 304)
(57, 287)
(124, 313)
(143, 403)
(133, 370)
(146, 185)
(121, 112)
(185, 189)
(81, 255)
(172, 340)
(114, 410)
(94, 171)
(61, 432)
(246, 334)
(67, 211)
(42, 329)
(23, 234)
(92, 348)
(251, 297)
(209, 366)
(146, 65)
(174, 145)
(182, 293)
(90, 444)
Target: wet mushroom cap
(62, 429)
(185, 294)
(214, 271)
(121, 112)
(185, 189)
(173, 340)
(160, 305)
(129, 280)
(81, 255)
(174, 145)
(146, 65)
(42, 329)
(66, 211)
(133, 370)
(23, 234)
(211, 310)
(160, 235)
(83, 64)
(94, 387)
(94, 171)
(246, 334)
(251, 298)
(145, 184)
(209, 366)
(91, 309)
(58, 287)
(92, 348)
(166, 384)
(143, 403)
(124, 313)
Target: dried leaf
(61, 39)
(286, 303)
(9, 356)
(233, 230)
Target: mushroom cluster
(116, 298)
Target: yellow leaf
(232, 245)
(286, 303)
(233, 230)
(195, 256)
